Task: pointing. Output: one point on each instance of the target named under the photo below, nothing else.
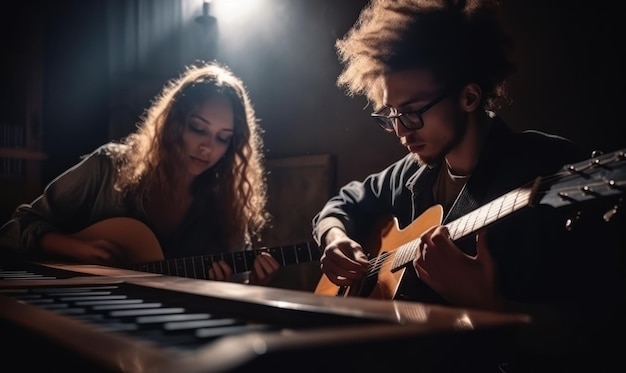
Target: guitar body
(138, 241)
(382, 281)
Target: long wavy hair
(234, 190)
(459, 41)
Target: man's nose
(400, 129)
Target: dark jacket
(538, 260)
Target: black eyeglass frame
(386, 121)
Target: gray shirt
(85, 194)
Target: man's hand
(463, 280)
(343, 260)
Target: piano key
(171, 318)
(105, 302)
(154, 311)
(195, 324)
(110, 307)
(226, 327)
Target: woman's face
(208, 132)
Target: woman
(192, 172)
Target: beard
(459, 128)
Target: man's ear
(470, 97)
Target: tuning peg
(571, 222)
(596, 153)
(610, 213)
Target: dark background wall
(570, 80)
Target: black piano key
(27, 297)
(40, 301)
(111, 302)
(88, 298)
(77, 289)
(195, 324)
(229, 330)
(53, 306)
(110, 307)
(13, 291)
(152, 311)
(71, 311)
(172, 318)
(112, 326)
(81, 293)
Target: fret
(277, 253)
(227, 257)
(474, 218)
(462, 224)
(453, 228)
(509, 203)
(405, 254)
(199, 271)
(180, 267)
(241, 261)
(173, 267)
(207, 261)
(190, 269)
(492, 214)
(463, 221)
(523, 200)
(238, 262)
(482, 217)
(289, 255)
(249, 256)
(303, 253)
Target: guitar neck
(240, 261)
(489, 213)
(472, 222)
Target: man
(435, 72)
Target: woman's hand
(220, 271)
(100, 252)
(264, 269)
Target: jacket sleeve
(64, 206)
(359, 205)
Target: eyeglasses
(411, 120)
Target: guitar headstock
(602, 178)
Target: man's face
(443, 123)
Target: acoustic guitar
(573, 186)
(145, 254)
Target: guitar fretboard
(471, 222)
(240, 261)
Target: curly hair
(459, 41)
(235, 188)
